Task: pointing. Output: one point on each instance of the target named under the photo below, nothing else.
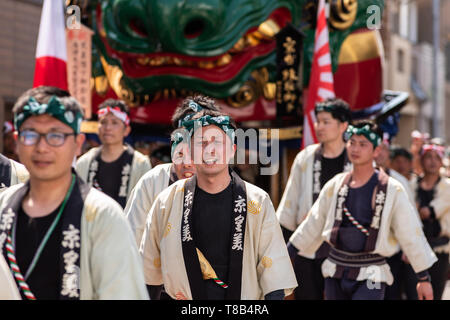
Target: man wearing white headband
(364, 215)
(433, 203)
(114, 167)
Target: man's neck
(112, 152)
(333, 149)
(429, 180)
(45, 196)
(214, 184)
(361, 174)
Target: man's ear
(127, 131)
(81, 137)
(232, 153)
(343, 127)
(376, 151)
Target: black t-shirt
(5, 171)
(331, 167)
(45, 280)
(424, 196)
(431, 225)
(211, 219)
(109, 176)
(359, 204)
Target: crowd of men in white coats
(357, 220)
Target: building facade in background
(407, 33)
(19, 26)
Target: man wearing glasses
(61, 238)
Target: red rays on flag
(321, 84)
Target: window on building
(447, 61)
(395, 21)
(400, 60)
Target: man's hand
(425, 213)
(424, 291)
(180, 296)
(405, 258)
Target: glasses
(54, 139)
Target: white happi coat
(143, 195)
(19, 174)
(139, 166)
(298, 195)
(8, 287)
(405, 183)
(399, 225)
(110, 264)
(297, 198)
(266, 266)
(441, 206)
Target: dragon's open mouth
(258, 41)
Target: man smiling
(61, 238)
(224, 229)
(154, 181)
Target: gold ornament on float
(343, 13)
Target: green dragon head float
(152, 53)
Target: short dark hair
(162, 153)
(340, 109)
(42, 94)
(372, 126)
(115, 103)
(400, 152)
(183, 108)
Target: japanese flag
(51, 51)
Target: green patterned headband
(54, 108)
(223, 122)
(365, 131)
(195, 107)
(177, 138)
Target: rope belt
(355, 260)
